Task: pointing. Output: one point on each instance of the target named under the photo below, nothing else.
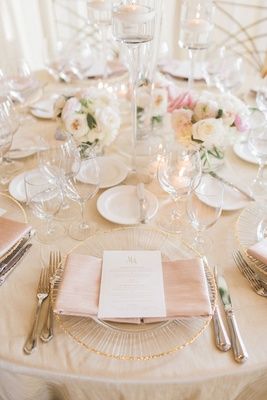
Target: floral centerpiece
(209, 120)
(91, 117)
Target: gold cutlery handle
(31, 341)
(47, 329)
(240, 352)
(221, 336)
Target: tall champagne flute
(134, 25)
(179, 173)
(100, 12)
(257, 143)
(196, 24)
(81, 188)
(204, 208)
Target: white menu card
(131, 285)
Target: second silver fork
(248, 272)
(47, 329)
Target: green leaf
(91, 122)
(220, 113)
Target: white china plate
(27, 145)
(112, 172)
(120, 205)
(232, 199)
(44, 108)
(180, 69)
(16, 186)
(242, 151)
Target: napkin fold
(185, 287)
(259, 251)
(10, 233)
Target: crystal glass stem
(104, 34)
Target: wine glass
(179, 173)
(231, 74)
(44, 199)
(80, 188)
(100, 13)
(204, 208)
(196, 24)
(133, 26)
(257, 144)
(58, 164)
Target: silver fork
(248, 272)
(42, 294)
(47, 329)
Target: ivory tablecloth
(62, 369)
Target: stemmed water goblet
(195, 29)
(179, 173)
(80, 188)
(44, 199)
(58, 164)
(133, 25)
(257, 143)
(204, 208)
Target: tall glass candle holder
(134, 25)
(196, 25)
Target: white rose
(205, 109)
(210, 131)
(160, 102)
(76, 125)
(108, 118)
(181, 117)
(71, 106)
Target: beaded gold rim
(79, 329)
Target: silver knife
(24, 240)
(221, 336)
(231, 185)
(14, 262)
(140, 189)
(240, 352)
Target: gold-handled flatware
(47, 329)
(231, 185)
(42, 294)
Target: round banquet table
(62, 369)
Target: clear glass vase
(212, 157)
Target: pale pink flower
(71, 107)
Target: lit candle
(100, 5)
(134, 13)
(197, 25)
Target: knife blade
(231, 185)
(140, 190)
(14, 262)
(240, 352)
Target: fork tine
(246, 271)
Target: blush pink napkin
(185, 287)
(259, 251)
(10, 233)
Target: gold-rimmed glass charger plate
(136, 341)
(251, 228)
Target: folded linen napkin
(185, 287)
(259, 251)
(10, 233)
